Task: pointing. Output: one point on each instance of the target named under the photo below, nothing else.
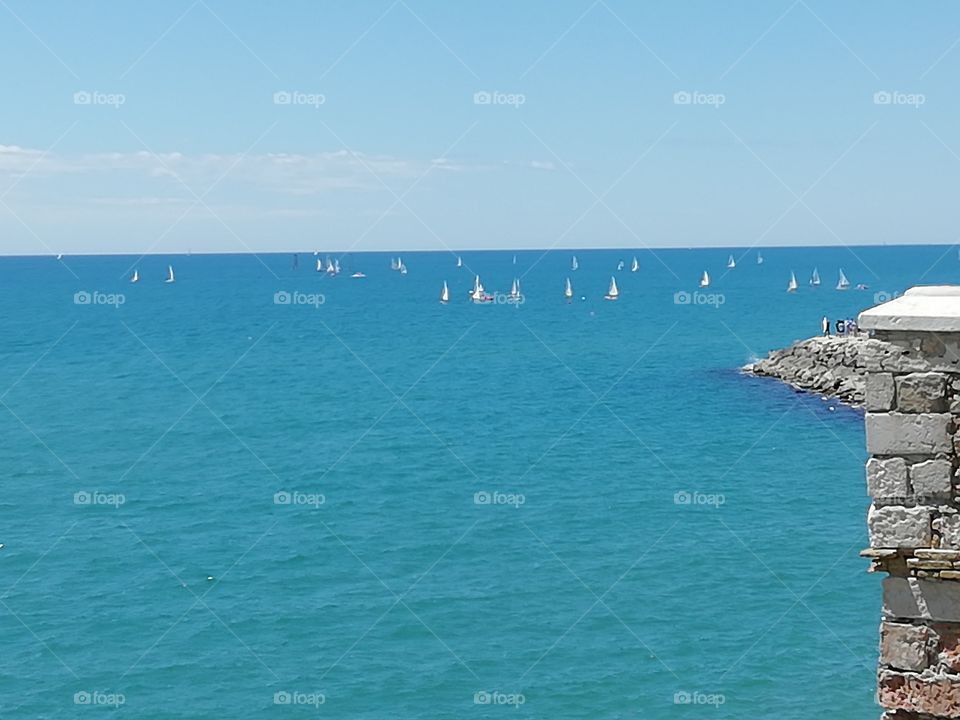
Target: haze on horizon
(417, 124)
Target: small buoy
(209, 578)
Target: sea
(264, 492)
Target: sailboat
(477, 294)
(402, 268)
(731, 263)
(135, 277)
(336, 267)
(705, 280)
(515, 289)
(393, 264)
(843, 283)
(759, 259)
(613, 292)
(170, 276)
(792, 285)
(445, 293)
(574, 264)
(330, 269)
(459, 261)
(568, 290)
(60, 256)
(634, 266)
(620, 265)
(815, 278)
(514, 259)
(319, 265)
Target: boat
(402, 268)
(135, 277)
(60, 256)
(634, 266)
(514, 259)
(459, 261)
(620, 265)
(170, 276)
(574, 264)
(792, 285)
(613, 292)
(843, 283)
(759, 259)
(336, 267)
(358, 275)
(515, 289)
(568, 290)
(330, 268)
(705, 280)
(394, 263)
(319, 265)
(478, 295)
(815, 278)
(445, 293)
(731, 263)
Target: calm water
(384, 588)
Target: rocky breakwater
(832, 366)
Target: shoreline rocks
(829, 365)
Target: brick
(899, 527)
(887, 478)
(919, 599)
(879, 393)
(908, 434)
(932, 478)
(922, 393)
(936, 695)
(904, 647)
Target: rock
(904, 647)
(922, 393)
(937, 695)
(897, 433)
(879, 392)
(932, 478)
(920, 599)
(900, 527)
(887, 478)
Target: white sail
(330, 268)
(705, 280)
(613, 292)
(792, 285)
(759, 259)
(514, 259)
(403, 268)
(842, 283)
(815, 278)
(634, 266)
(731, 263)
(574, 264)
(170, 276)
(136, 276)
(393, 264)
(568, 290)
(445, 293)
(459, 261)
(515, 289)
(336, 266)
(319, 265)
(620, 265)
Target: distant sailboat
(568, 290)
(515, 290)
(759, 259)
(459, 261)
(731, 263)
(705, 280)
(514, 259)
(319, 265)
(843, 283)
(634, 266)
(336, 267)
(394, 264)
(477, 294)
(574, 264)
(620, 265)
(170, 276)
(330, 268)
(445, 293)
(136, 276)
(815, 278)
(358, 275)
(792, 285)
(613, 292)
(60, 256)
(402, 268)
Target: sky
(235, 126)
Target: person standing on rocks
(825, 325)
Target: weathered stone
(949, 529)
(887, 478)
(908, 434)
(919, 599)
(950, 575)
(924, 564)
(948, 645)
(879, 392)
(937, 695)
(937, 554)
(877, 553)
(932, 478)
(899, 527)
(904, 647)
(921, 393)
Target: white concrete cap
(927, 308)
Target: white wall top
(927, 308)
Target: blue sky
(609, 124)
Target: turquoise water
(387, 587)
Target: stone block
(932, 478)
(908, 434)
(904, 647)
(922, 393)
(936, 695)
(918, 599)
(879, 395)
(949, 528)
(887, 478)
(899, 527)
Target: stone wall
(912, 398)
